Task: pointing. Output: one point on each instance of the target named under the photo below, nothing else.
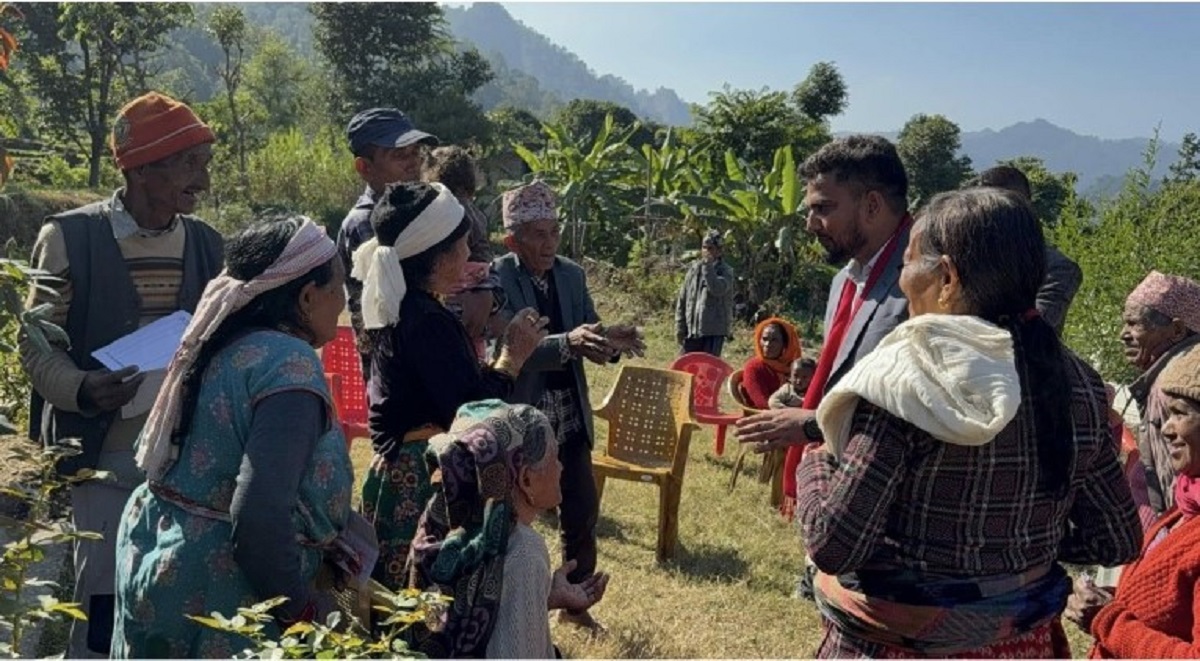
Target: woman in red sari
(776, 345)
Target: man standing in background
(704, 307)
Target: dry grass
(727, 594)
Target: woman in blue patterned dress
(248, 479)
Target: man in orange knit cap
(121, 263)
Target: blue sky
(1111, 70)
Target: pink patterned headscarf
(308, 248)
(1172, 295)
(529, 203)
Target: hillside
(1093, 159)
(510, 44)
(1100, 163)
(533, 73)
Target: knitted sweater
(1156, 610)
(522, 629)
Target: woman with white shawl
(964, 458)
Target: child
(792, 392)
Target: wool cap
(153, 127)
(1181, 377)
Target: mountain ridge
(1101, 163)
(511, 45)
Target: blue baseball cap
(384, 127)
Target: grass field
(727, 593)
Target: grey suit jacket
(1063, 278)
(577, 308)
(883, 309)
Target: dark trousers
(580, 508)
(711, 344)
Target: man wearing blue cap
(387, 149)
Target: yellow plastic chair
(650, 425)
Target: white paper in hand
(150, 347)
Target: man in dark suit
(1063, 276)
(552, 379)
(857, 198)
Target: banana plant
(596, 184)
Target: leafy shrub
(32, 536)
(16, 278)
(1142, 229)
(312, 175)
(332, 639)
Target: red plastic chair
(343, 375)
(708, 374)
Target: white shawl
(953, 376)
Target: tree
(753, 124)
(78, 53)
(514, 125)
(275, 77)
(399, 54)
(1187, 168)
(822, 94)
(596, 187)
(228, 24)
(927, 145)
(1050, 193)
(583, 119)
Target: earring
(943, 303)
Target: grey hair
(996, 244)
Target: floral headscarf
(463, 535)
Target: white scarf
(953, 376)
(378, 266)
(308, 248)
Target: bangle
(504, 364)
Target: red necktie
(816, 388)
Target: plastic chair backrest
(646, 411)
(735, 388)
(709, 373)
(341, 357)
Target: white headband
(378, 266)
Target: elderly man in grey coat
(704, 307)
(535, 275)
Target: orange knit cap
(154, 126)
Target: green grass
(728, 591)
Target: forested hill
(531, 72)
(511, 46)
